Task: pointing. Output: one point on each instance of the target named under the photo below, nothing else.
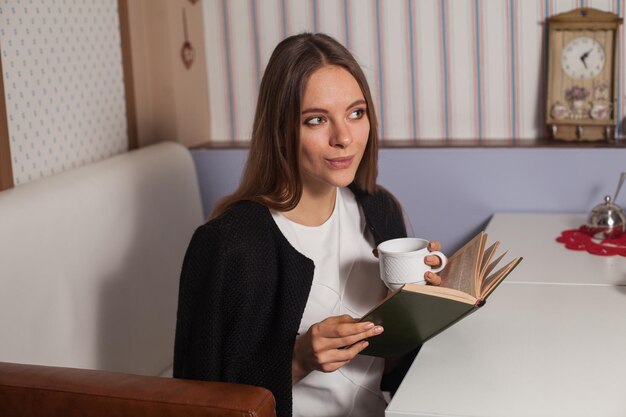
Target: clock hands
(584, 57)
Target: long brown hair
(272, 173)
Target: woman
(271, 285)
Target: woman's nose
(341, 136)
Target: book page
(491, 266)
(443, 292)
(462, 270)
(487, 259)
(496, 278)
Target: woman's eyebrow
(358, 102)
(320, 110)
(314, 110)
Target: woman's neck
(313, 209)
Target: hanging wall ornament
(187, 52)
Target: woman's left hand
(433, 261)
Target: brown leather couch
(46, 391)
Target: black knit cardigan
(243, 289)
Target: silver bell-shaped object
(607, 220)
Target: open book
(415, 313)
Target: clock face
(583, 58)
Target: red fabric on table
(575, 239)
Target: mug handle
(444, 260)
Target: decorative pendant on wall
(187, 52)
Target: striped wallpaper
(439, 70)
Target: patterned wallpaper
(63, 84)
(438, 69)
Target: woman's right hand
(433, 261)
(330, 344)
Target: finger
(375, 252)
(344, 318)
(432, 260)
(334, 359)
(434, 245)
(329, 343)
(359, 330)
(332, 334)
(340, 329)
(333, 321)
(353, 339)
(355, 349)
(432, 278)
(337, 326)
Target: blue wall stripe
(512, 35)
(618, 115)
(444, 51)
(546, 59)
(479, 97)
(316, 27)
(346, 22)
(229, 77)
(381, 96)
(412, 68)
(283, 9)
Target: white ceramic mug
(402, 261)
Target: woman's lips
(340, 163)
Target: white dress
(345, 281)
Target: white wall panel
(397, 78)
(220, 103)
(243, 69)
(462, 70)
(63, 81)
(363, 43)
(497, 71)
(331, 18)
(430, 96)
(299, 16)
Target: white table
(533, 236)
(551, 341)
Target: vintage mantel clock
(582, 75)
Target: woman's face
(334, 129)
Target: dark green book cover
(409, 319)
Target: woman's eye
(357, 114)
(314, 121)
